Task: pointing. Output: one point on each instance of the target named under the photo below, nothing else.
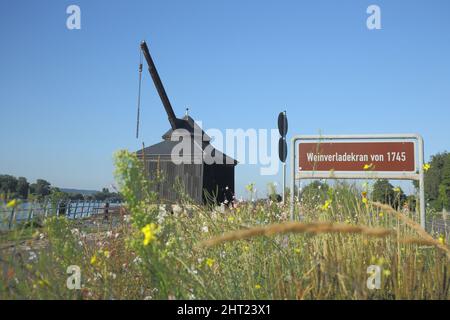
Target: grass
(248, 252)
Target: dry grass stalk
(427, 239)
(297, 227)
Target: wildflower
(250, 187)
(210, 262)
(257, 286)
(326, 205)
(32, 256)
(368, 166)
(94, 259)
(397, 189)
(381, 214)
(12, 204)
(149, 232)
(441, 239)
(43, 283)
(426, 167)
(386, 273)
(107, 254)
(137, 260)
(297, 250)
(246, 248)
(230, 219)
(205, 229)
(364, 197)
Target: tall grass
(248, 252)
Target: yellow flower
(257, 286)
(426, 167)
(210, 262)
(43, 283)
(12, 204)
(297, 250)
(106, 253)
(149, 232)
(94, 259)
(368, 166)
(386, 273)
(364, 200)
(441, 239)
(230, 219)
(397, 189)
(245, 248)
(381, 214)
(326, 205)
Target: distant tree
(41, 188)
(383, 192)
(23, 187)
(76, 196)
(314, 193)
(56, 195)
(411, 200)
(444, 186)
(434, 192)
(8, 186)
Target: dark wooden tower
(199, 176)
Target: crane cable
(139, 94)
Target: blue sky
(68, 97)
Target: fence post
(68, 209)
(75, 210)
(88, 208)
(11, 218)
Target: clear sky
(68, 97)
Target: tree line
(19, 188)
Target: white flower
(75, 231)
(137, 260)
(41, 236)
(205, 229)
(32, 256)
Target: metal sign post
(282, 147)
(378, 156)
